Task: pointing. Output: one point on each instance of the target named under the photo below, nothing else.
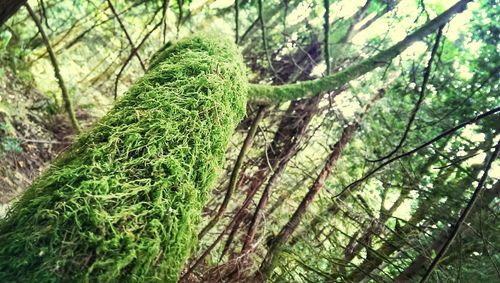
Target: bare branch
(132, 46)
(408, 153)
(427, 72)
(464, 215)
(68, 105)
(247, 144)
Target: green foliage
(8, 143)
(123, 203)
(5, 39)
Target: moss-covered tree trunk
(123, 203)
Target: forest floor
(32, 133)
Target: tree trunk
(289, 228)
(124, 202)
(9, 8)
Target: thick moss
(123, 203)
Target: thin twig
(236, 21)
(132, 55)
(134, 49)
(164, 19)
(43, 141)
(180, 3)
(408, 153)
(463, 216)
(326, 29)
(427, 72)
(264, 39)
(247, 144)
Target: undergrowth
(123, 203)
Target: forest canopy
(249, 141)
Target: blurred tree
(8, 8)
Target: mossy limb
(123, 203)
(269, 94)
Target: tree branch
(164, 19)
(408, 153)
(464, 214)
(264, 38)
(266, 94)
(132, 53)
(326, 29)
(68, 106)
(287, 230)
(236, 21)
(233, 180)
(427, 73)
(134, 49)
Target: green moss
(123, 204)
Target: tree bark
(9, 8)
